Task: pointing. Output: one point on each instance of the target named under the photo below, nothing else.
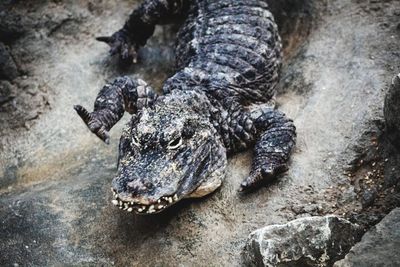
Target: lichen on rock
(307, 242)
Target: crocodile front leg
(272, 149)
(124, 94)
(140, 26)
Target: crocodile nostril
(137, 185)
(149, 185)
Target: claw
(99, 131)
(263, 175)
(125, 51)
(120, 44)
(105, 39)
(250, 182)
(243, 186)
(134, 56)
(83, 113)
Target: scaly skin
(175, 146)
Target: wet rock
(392, 111)
(378, 247)
(8, 69)
(312, 241)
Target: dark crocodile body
(228, 57)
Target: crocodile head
(168, 152)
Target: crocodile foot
(260, 176)
(120, 43)
(93, 123)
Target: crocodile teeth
(141, 82)
(151, 209)
(130, 206)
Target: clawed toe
(105, 39)
(252, 181)
(260, 176)
(83, 113)
(119, 43)
(94, 125)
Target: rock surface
(392, 111)
(8, 69)
(55, 176)
(378, 247)
(305, 242)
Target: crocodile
(176, 144)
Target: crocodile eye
(175, 143)
(135, 141)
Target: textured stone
(8, 69)
(392, 111)
(310, 241)
(378, 247)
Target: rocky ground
(377, 246)
(340, 56)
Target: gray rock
(311, 241)
(8, 69)
(378, 247)
(392, 110)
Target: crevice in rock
(295, 20)
(375, 172)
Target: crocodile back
(228, 48)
